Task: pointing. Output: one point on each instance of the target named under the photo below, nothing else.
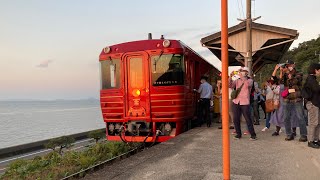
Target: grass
(55, 166)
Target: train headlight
(166, 43)
(106, 50)
(136, 92)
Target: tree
(65, 142)
(61, 142)
(97, 135)
(52, 144)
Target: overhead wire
(239, 9)
(254, 8)
(242, 9)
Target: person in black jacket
(312, 93)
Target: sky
(50, 49)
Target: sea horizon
(24, 120)
(58, 99)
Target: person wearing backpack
(311, 92)
(241, 102)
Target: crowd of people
(287, 100)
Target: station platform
(197, 154)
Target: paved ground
(197, 154)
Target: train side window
(167, 70)
(110, 74)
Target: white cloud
(44, 64)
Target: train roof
(149, 44)
(142, 45)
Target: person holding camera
(277, 116)
(311, 91)
(241, 102)
(293, 103)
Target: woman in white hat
(241, 103)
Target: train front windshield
(110, 74)
(167, 70)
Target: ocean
(29, 121)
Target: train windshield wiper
(155, 61)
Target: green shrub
(52, 144)
(87, 161)
(61, 142)
(97, 135)
(55, 166)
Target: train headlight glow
(136, 92)
(166, 43)
(106, 50)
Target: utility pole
(249, 20)
(225, 91)
(248, 58)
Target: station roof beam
(269, 44)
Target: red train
(147, 89)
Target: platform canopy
(269, 44)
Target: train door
(196, 74)
(137, 86)
(196, 83)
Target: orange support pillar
(225, 90)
